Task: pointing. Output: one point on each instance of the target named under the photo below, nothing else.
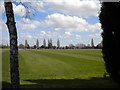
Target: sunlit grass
(59, 65)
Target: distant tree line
(4, 46)
(51, 46)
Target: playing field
(58, 68)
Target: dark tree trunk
(110, 20)
(14, 67)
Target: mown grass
(59, 68)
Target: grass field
(83, 68)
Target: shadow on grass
(68, 83)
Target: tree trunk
(14, 67)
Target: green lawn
(58, 68)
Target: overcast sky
(70, 21)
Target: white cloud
(23, 9)
(82, 8)
(69, 23)
(94, 27)
(2, 9)
(26, 35)
(68, 33)
(57, 29)
(70, 41)
(49, 34)
(5, 40)
(19, 10)
(23, 24)
(3, 26)
(0, 26)
(39, 6)
(27, 24)
(43, 32)
(96, 35)
(78, 36)
(31, 38)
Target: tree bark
(14, 67)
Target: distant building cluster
(50, 45)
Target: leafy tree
(44, 43)
(92, 43)
(110, 20)
(71, 46)
(34, 46)
(58, 43)
(42, 47)
(37, 44)
(14, 67)
(26, 44)
(21, 46)
(54, 47)
(50, 43)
